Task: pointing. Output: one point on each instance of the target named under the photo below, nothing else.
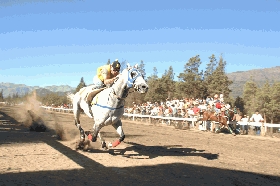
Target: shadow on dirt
(155, 151)
(94, 173)
(116, 135)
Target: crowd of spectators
(186, 107)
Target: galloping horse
(108, 105)
(229, 114)
(211, 116)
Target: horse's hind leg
(103, 143)
(118, 127)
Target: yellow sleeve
(102, 72)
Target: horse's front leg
(118, 127)
(77, 112)
(92, 136)
(103, 143)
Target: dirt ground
(149, 155)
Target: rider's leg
(97, 84)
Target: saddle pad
(86, 90)
(92, 94)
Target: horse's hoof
(82, 139)
(104, 148)
(80, 145)
(110, 145)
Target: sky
(56, 42)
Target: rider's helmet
(116, 65)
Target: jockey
(106, 74)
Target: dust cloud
(32, 116)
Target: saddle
(88, 93)
(92, 94)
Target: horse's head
(135, 79)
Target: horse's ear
(128, 66)
(136, 66)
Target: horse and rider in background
(222, 115)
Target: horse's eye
(133, 74)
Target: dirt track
(150, 155)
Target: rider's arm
(107, 80)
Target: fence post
(262, 130)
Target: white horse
(108, 105)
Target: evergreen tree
(208, 76)
(1, 96)
(211, 66)
(155, 88)
(249, 96)
(81, 85)
(263, 99)
(108, 62)
(239, 103)
(142, 69)
(218, 82)
(167, 84)
(273, 112)
(123, 65)
(191, 80)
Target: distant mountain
(239, 78)
(21, 89)
(260, 76)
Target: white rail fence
(264, 126)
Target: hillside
(260, 76)
(239, 78)
(21, 89)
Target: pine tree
(1, 96)
(167, 83)
(263, 99)
(142, 69)
(239, 103)
(208, 76)
(155, 88)
(81, 85)
(249, 96)
(217, 82)
(273, 112)
(108, 62)
(191, 79)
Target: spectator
(174, 110)
(236, 118)
(218, 106)
(161, 110)
(196, 110)
(244, 120)
(257, 118)
(209, 100)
